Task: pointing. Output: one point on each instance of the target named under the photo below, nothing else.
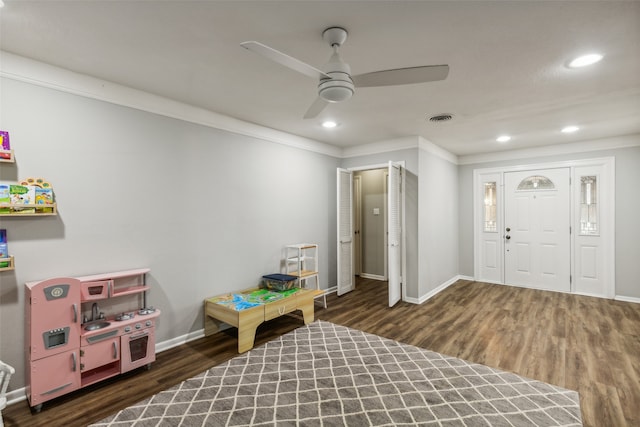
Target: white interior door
(394, 234)
(345, 231)
(537, 235)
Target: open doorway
(370, 219)
(370, 223)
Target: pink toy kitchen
(83, 330)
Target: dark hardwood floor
(586, 344)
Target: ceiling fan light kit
(337, 89)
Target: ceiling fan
(336, 84)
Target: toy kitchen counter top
(249, 308)
(122, 324)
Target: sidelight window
(490, 207)
(589, 205)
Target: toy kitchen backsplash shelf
(84, 330)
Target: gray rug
(328, 375)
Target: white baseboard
(16, 396)
(437, 290)
(493, 282)
(372, 276)
(183, 339)
(627, 299)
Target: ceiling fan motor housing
(336, 89)
(340, 86)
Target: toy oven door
(138, 349)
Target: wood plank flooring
(586, 344)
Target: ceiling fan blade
(284, 59)
(402, 76)
(316, 108)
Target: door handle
(73, 361)
(115, 350)
(75, 314)
(507, 237)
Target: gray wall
(208, 211)
(373, 226)
(438, 221)
(627, 207)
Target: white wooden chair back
(5, 375)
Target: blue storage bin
(279, 282)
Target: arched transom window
(536, 182)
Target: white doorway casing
(591, 255)
(395, 250)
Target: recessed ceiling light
(503, 138)
(570, 129)
(583, 61)
(329, 124)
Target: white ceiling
(507, 63)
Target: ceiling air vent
(440, 118)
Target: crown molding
(438, 151)
(385, 146)
(554, 150)
(27, 70)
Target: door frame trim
(403, 248)
(607, 211)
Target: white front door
(536, 229)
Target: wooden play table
(221, 309)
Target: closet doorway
(370, 221)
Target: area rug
(324, 374)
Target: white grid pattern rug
(328, 375)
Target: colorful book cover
(4, 144)
(4, 250)
(4, 198)
(22, 195)
(44, 196)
